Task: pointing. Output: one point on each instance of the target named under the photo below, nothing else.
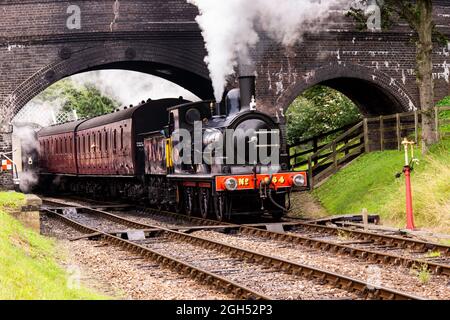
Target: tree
(86, 100)
(318, 110)
(419, 16)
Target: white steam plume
(28, 144)
(130, 87)
(230, 28)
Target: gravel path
(395, 277)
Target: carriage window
(121, 138)
(100, 141)
(115, 140)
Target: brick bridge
(160, 37)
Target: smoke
(130, 87)
(28, 180)
(29, 145)
(40, 112)
(28, 139)
(231, 28)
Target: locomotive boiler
(199, 158)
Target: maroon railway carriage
(102, 152)
(56, 149)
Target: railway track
(229, 259)
(369, 246)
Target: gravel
(269, 281)
(395, 277)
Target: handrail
(322, 135)
(338, 139)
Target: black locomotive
(193, 157)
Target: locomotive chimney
(248, 90)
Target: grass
(422, 272)
(28, 267)
(11, 199)
(369, 182)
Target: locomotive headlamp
(231, 184)
(298, 180)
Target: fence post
(310, 174)
(366, 135)
(334, 155)
(399, 142)
(416, 126)
(315, 148)
(381, 134)
(436, 119)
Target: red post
(409, 208)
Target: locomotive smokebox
(247, 85)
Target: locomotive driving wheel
(204, 198)
(189, 201)
(220, 207)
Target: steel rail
(220, 283)
(398, 241)
(289, 267)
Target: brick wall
(161, 37)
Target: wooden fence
(325, 154)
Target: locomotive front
(245, 153)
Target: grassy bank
(28, 267)
(370, 183)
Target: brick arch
(178, 65)
(373, 91)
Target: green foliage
(444, 102)
(318, 110)
(422, 272)
(444, 128)
(87, 100)
(433, 254)
(28, 267)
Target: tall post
(381, 133)
(315, 148)
(436, 119)
(397, 127)
(407, 171)
(310, 174)
(366, 135)
(416, 126)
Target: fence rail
(334, 149)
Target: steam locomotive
(138, 154)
